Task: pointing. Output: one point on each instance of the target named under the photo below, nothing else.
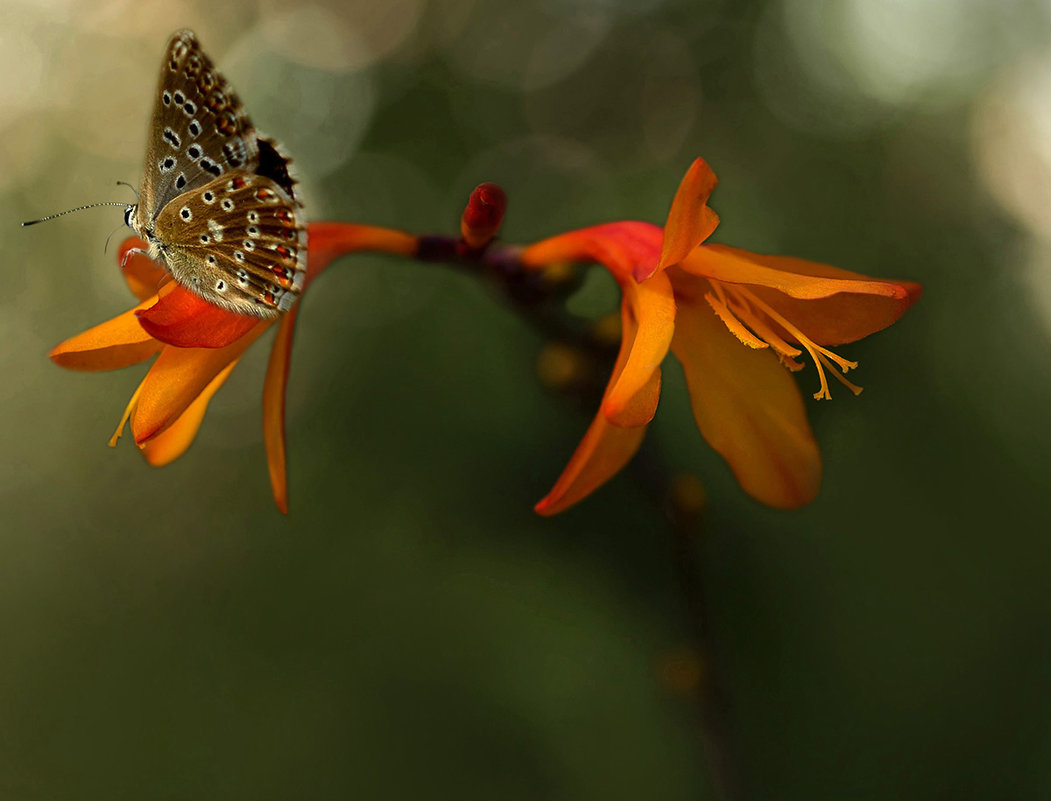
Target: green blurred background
(412, 629)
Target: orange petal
(176, 379)
(274, 408)
(186, 320)
(329, 241)
(648, 318)
(746, 405)
(839, 306)
(831, 306)
(171, 443)
(624, 248)
(142, 274)
(605, 449)
(116, 343)
(690, 221)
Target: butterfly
(217, 206)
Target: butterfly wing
(239, 241)
(199, 129)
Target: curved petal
(746, 406)
(142, 274)
(329, 241)
(177, 377)
(116, 343)
(605, 448)
(622, 247)
(690, 220)
(274, 408)
(831, 306)
(648, 319)
(171, 443)
(186, 320)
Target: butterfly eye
(129, 213)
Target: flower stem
(535, 296)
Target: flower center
(755, 323)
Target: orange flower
(199, 345)
(704, 302)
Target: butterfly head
(129, 215)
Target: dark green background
(412, 629)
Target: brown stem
(536, 299)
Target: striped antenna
(70, 211)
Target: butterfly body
(217, 205)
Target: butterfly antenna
(105, 248)
(132, 188)
(70, 211)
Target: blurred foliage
(412, 628)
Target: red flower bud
(483, 215)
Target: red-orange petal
(647, 322)
(747, 406)
(330, 240)
(176, 379)
(111, 345)
(172, 443)
(186, 320)
(274, 408)
(142, 274)
(605, 448)
(622, 247)
(690, 220)
(830, 305)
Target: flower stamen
(750, 308)
(127, 414)
(737, 328)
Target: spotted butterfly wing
(239, 242)
(200, 140)
(199, 128)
